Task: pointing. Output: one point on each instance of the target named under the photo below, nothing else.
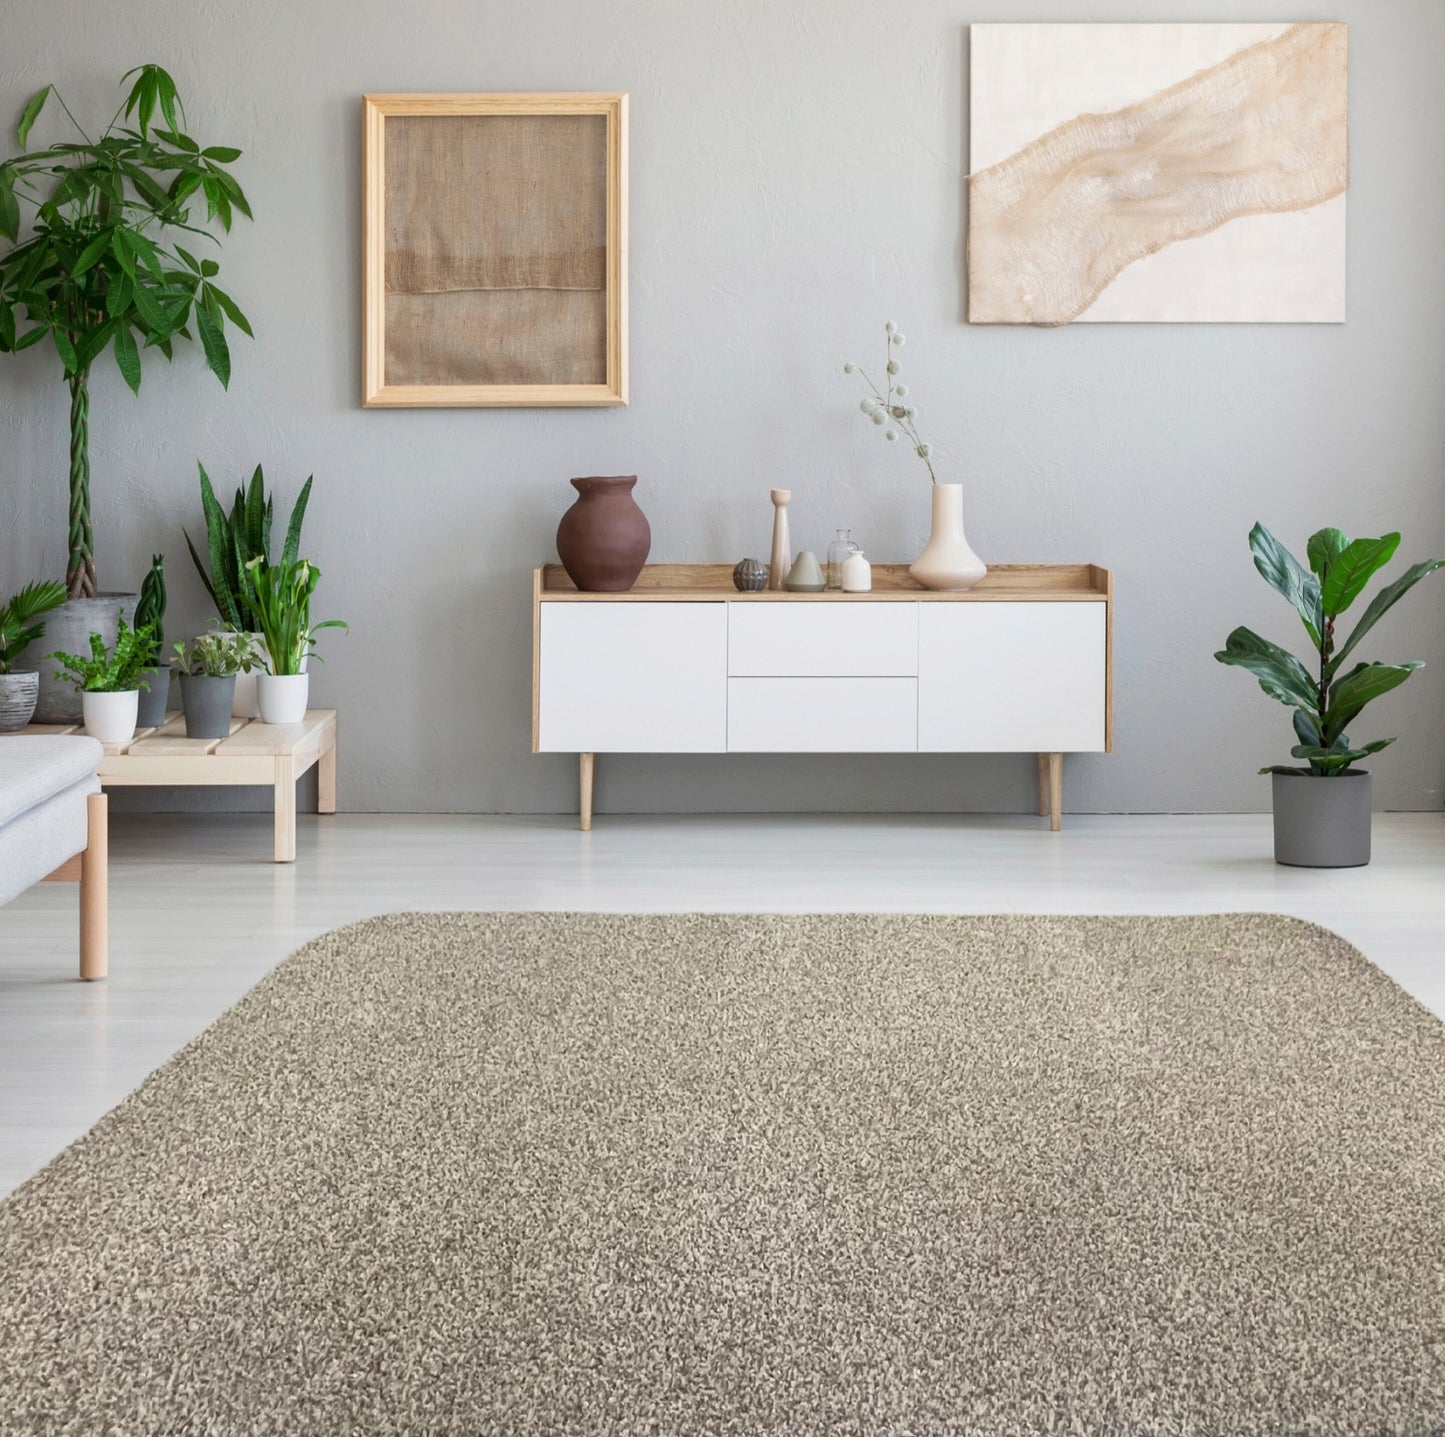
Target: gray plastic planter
(1322, 822)
(207, 705)
(151, 712)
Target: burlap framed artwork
(495, 250)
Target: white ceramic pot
(947, 562)
(110, 717)
(283, 697)
(246, 703)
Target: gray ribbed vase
(17, 700)
(1322, 822)
(68, 630)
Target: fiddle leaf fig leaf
(1352, 569)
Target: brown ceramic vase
(604, 538)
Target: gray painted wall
(797, 177)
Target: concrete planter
(68, 630)
(1322, 822)
(207, 703)
(18, 693)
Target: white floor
(199, 913)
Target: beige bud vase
(947, 563)
(781, 560)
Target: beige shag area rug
(565, 1173)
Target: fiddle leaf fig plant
(1326, 697)
(94, 263)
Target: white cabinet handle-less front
(1012, 678)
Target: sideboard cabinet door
(632, 678)
(1011, 677)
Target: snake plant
(151, 606)
(1325, 697)
(236, 538)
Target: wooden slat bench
(255, 753)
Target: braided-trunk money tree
(1325, 696)
(94, 260)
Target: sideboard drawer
(1010, 678)
(830, 640)
(823, 715)
(632, 678)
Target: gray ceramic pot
(18, 693)
(207, 705)
(1322, 822)
(151, 711)
(68, 630)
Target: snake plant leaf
(1280, 674)
(1286, 576)
(1324, 548)
(1361, 686)
(254, 520)
(292, 545)
(1381, 604)
(1351, 571)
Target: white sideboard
(684, 663)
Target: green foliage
(217, 655)
(280, 596)
(18, 626)
(233, 540)
(116, 671)
(1326, 701)
(151, 606)
(93, 259)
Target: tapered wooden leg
(1043, 784)
(326, 781)
(285, 808)
(95, 890)
(1056, 791)
(586, 766)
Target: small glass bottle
(838, 552)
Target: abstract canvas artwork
(1158, 173)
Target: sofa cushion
(34, 767)
(44, 837)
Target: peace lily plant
(1324, 827)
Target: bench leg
(1043, 784)
(285, 808)
(1056, 791)
(95, 890)
(586, 768)
(326, 781)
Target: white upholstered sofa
(53, 828)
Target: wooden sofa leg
(95, 890)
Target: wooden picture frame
(557, 338)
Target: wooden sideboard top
(713, 583)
